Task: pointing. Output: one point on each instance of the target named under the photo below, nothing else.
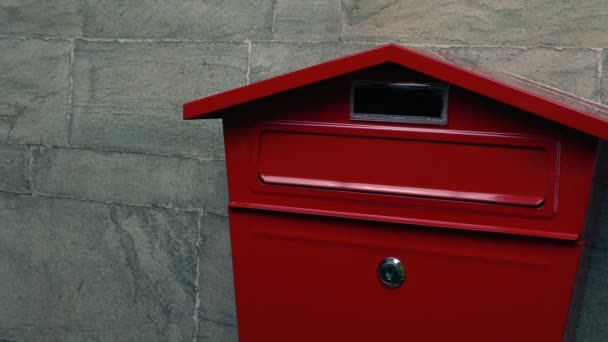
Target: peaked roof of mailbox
(552, 104)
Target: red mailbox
(399, 195)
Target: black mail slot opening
(402, 102)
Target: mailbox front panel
(488, 167)
(307, 278)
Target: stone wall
(113, 219)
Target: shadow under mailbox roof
(552, 104)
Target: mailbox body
(487, 212)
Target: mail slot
(402, 195)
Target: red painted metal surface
(407, 165)
(549, 103)
(306, 278)
(487, 212)
(538, 159)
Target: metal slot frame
(441, 121)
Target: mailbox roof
(552, 104)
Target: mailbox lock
(391, 272)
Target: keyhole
(389, 274)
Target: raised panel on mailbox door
(477, 172)
(458, 170)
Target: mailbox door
(312, 278)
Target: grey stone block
(129, 96)
(209, 331)
(604, 68)
(592, 324)
(130, 178)
(272, 59)
(50, 18)
(216, 284)
(190, 19)
(308, 20)
(14, 168)
(572, 70)
(512, 22)
(76, 271)
(35, 87)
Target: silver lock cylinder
(391, 272)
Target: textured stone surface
(186, 19)
(512, 22)
(216, 282)
(34, 91)
(604, 80)
(271, 59)
(307, 20)
(49, 18)
(210, 331)
(75, 271)
(572, 70)
(13, 168)
(129, 96)
(216, 313)
(592, 325)
(130, 178)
